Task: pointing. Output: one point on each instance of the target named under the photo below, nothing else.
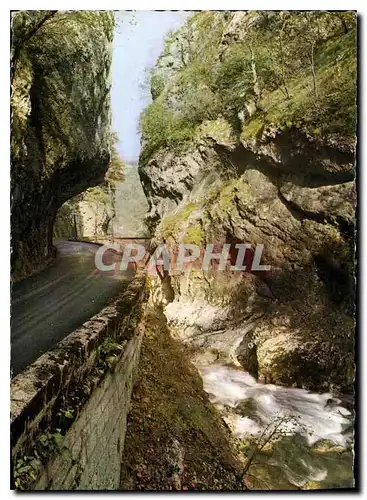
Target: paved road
(50, 305)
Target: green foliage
(198, 104)
(252, 128)
(162, 127)
(208, 27)
(26, 468)
(219, 129)
(69, 413)
(194, 234)
(169, 122)
(108, 354)
(109, 347)
(156, 86)
(51, 441)
(291, 69)
(334, 108)
(25, 471)
(115, 172)
(172, 224)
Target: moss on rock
(60, 121)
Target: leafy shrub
(161, 127)
(199, 104)
(289, 69)
(156, 86)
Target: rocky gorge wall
(61, 117)
(105, 213)
(249, 152)
(69, 408)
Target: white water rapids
(296, 461)
(320, 416)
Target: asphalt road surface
(46, 307)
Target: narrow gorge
(240, 147)
(272, 172)
(227, 379)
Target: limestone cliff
(114, 210)
(60, 121)
(251, 139)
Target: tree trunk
(282, 70)
(255, 79)
(313, 71)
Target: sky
(138, 42)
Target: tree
(282, 58)
(115, 172)
(302, 33)
(278, 427)
(184, 39)
(255, 78)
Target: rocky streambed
(287, 436)
(294, 437)
(257, 171)
(200, 422)
(303, 439)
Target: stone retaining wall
(69, 408)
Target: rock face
(168, 183)
(259, 179)
(60, 121)
(108, 212)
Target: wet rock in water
(311, 485)
(326, 446)
(247, 356)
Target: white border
(5, 178)
(189, 5)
